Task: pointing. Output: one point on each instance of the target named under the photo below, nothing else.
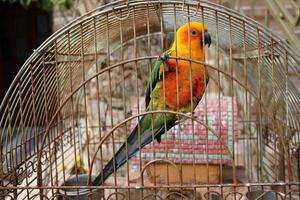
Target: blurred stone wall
(255, 9)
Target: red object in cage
(182, 144)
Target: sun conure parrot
(158, 99)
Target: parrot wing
(155, 76)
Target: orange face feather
(193, 32)
(189, 46)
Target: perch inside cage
(81, 93)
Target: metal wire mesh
(75, 99)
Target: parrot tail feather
(133, 145)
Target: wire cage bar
(78, 96)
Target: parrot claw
(190, 116)
(165, 66)
(164, 57)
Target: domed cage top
(80, 94)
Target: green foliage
(43, 4)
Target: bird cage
(79, 95)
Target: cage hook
(185, 13)
(125, 17)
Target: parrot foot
(190, 116)
(165, 66)
(164, 57)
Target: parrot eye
(194, 33)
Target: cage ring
(185, 13)
(120, 11)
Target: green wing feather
(154, 78)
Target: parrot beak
(207, 39)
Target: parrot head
(192, 33)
